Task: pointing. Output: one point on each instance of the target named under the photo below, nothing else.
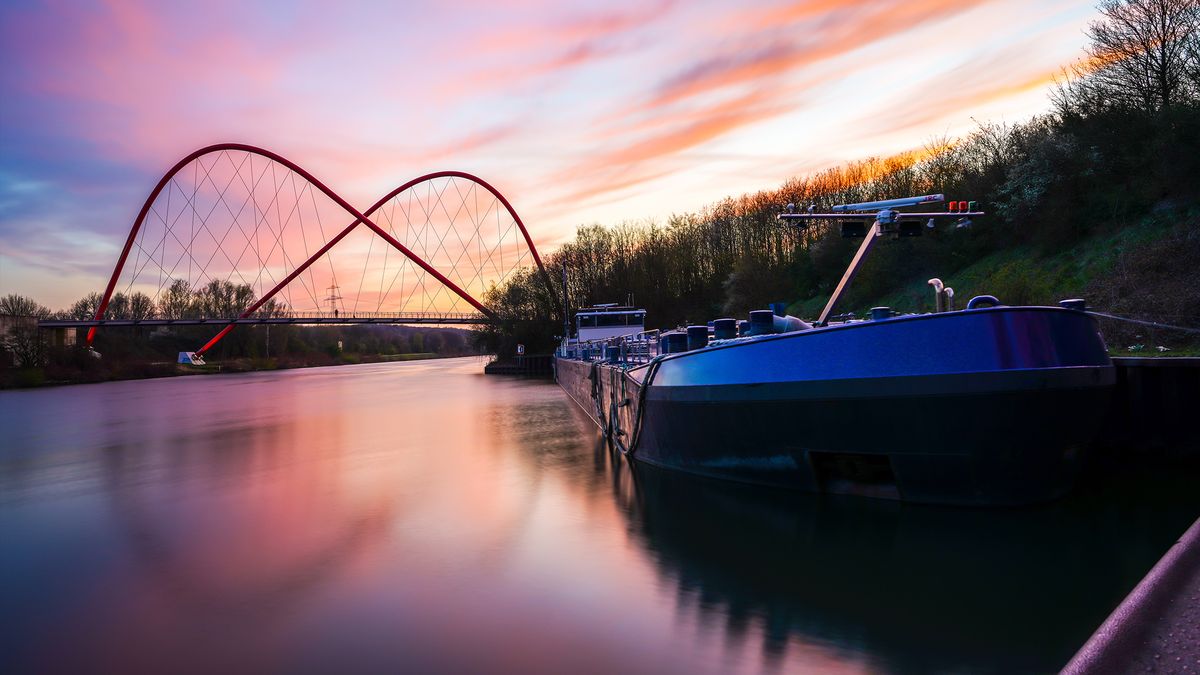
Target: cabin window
(609, 319)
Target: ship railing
(640, 347)
(634, 349)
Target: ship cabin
(608, 321)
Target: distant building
(64, 337)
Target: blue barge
(983, 406)
(991, 405)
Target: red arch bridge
(235, 234)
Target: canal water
(423, 517)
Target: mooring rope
(1140, 322)
(597, 389)
(634, 437)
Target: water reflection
(917, 588)
(423, 517)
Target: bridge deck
(314, 318)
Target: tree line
(180, 300)
(144, 351)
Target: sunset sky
(578, 112)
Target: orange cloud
(973, 85)
(694, 128)
(847, 29)
(681, 125)
(631, 164)
(691, 127)
(575, 30)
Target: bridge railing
(287, 317)
(339, 314)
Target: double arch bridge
(235, 234)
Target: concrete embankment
(533, 364)
(1155, 405)
(1157, 627)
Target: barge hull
(906, 447)
(909, 447)
(1012, 431)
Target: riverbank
(99, 371)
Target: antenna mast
(566, 307)
(885, 220)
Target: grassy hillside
(1146, 270)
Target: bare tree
(22, 336)
(21, 305)
(118, 307)
(136, 305)
(141, 306)
(272, 309)
(223, 298)
(86, 307)
(176, 302)
(27, 344)
(1143, 56)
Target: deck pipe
(725, 329)
(762, 322)
(939, 298)
(697, 337)
(674, 343)
(766, 322)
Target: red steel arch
(478, 181)
(359, 218)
